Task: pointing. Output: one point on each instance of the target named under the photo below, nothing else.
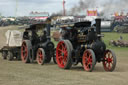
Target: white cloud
(8, 7)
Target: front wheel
(88, 60)
(109, 61)
(48, 58)
(40, 58)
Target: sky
(24, 7)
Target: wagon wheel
(109, 61)
(63, 55)
(49, 53)
(10, 56)
(40, 57)
(18, 55)
(88, 60)
(48, 58)
(4, 54)
(25, 51)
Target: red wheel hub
(61, 54)
(108, 60)
(24, 52)
(39, 56)
(87, 60)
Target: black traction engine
(81, 42)
(37, 44)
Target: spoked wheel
(48, 58)
(10, 56)
(63, 55)
(4, 54)
(40, 58)
(25, 51)
(109, 61)
(18, 56)
(88, 60)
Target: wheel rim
(24, 52)
(87, 60)
(40, 56)
(108, 61)
(61, 54)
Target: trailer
(13, 45)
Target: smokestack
(64, 7)
(98, 26)
(48, 27)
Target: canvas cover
(14, 38)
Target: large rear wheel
(25, 51)
(63, 55)
(70, 45)
(109, 61)
(40, 56)
(88, 60)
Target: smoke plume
(108, 7)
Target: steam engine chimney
(98, 26)
(48, 27)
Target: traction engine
(82, 43)
(37, 44)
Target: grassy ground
(18, 73)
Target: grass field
(18, 73)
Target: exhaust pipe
(48, 31)
(48, 21)
(98, 26)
